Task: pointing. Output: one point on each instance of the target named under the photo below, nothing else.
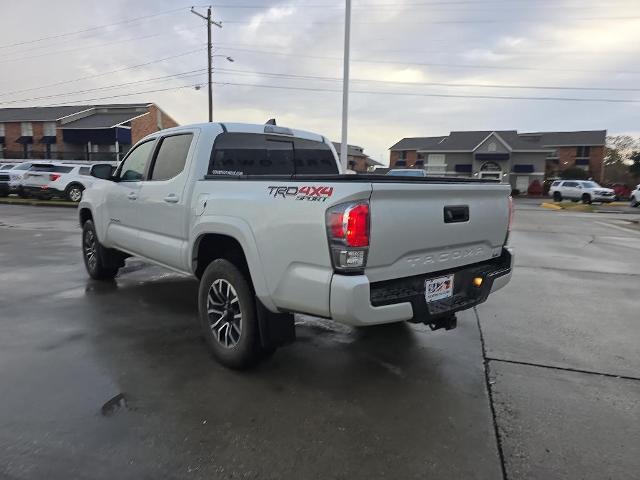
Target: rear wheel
(228, 316)
(73, 192)
(557, 197)
(586, 198)
(94, 254)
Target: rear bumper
(356, 301)
(44, 190)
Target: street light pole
(209, 48)
(345, 85)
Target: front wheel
(74, 193)
(586, 198)
(634, 203)
(94, 255)
(228, 316)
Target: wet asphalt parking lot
(112, 380)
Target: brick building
(357, 160)
(516, 158)
(85, 132)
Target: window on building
(402, 155)
(352, 164)
(419, 163)
(171, 157)
(1, 129)
(27, 129)
(436, 163)
(49, 129)
(552, 155)
(583, 152)
(401, 163)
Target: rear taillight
(506, 239)
(348, 233)
(53, 177)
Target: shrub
(515, 192)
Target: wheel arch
(233, 240)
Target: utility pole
(345, 86)
(209, 56)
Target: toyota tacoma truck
(263, 217)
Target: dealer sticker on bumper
(438, 288)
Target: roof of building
(50, 114)
(356, 151)
(579, 138)
(39, 114)
(469, 140)
(103, 120)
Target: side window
(314, 157)
(555, 184)
(132, 167)
(84, 171)
(570, 184)
(171, 156)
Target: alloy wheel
(91, 250)
(225, 316)
(75, 194)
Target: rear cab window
(258, 154)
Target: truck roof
(246, 128)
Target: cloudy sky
(419, 67)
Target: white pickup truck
(261, 215)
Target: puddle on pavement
(114, 405)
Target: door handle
(132, 196)
(171, 198)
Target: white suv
(56, 179)
(635, 197)
(586, 190)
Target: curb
(550, 206)
(37, 203)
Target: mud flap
(276, 329)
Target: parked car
(586, 190)
(7, 166)
(634, 197)
(57, 179)
(15, 177)
(4, 183)
(407, 172)
(263, 217)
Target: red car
(621, 190)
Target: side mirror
(102, 170)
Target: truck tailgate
(420, 228)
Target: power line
(97, 27)
(73, 80)
(367, 92)
(432, 84)
(84, 47)
(433, 64)
(433, 22)
(438, 95)
(85, 100)
(109, 87)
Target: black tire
(586, 198)
(73, 192)
(94, 254)
(226, 300)
(557, 197)
(633, 202)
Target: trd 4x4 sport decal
(309, 193)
